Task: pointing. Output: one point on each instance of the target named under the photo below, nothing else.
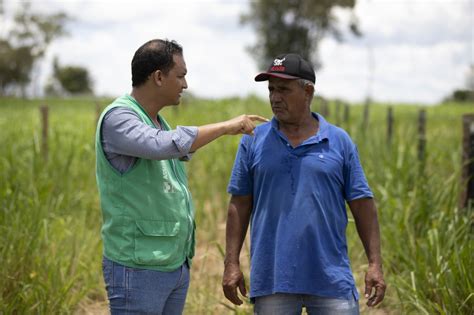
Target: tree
(294, 26)
(15, 65)
(25, 44)
(464, 95)
(69, 80)
(74, 79)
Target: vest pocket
(156, 242)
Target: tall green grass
(427, 240)
(50, 219)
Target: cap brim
(264, 76)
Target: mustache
(278, 106)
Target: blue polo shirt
(298, 221)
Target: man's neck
(299, 131)
(307, 124)
(148, 101)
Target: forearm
(243, 124)
(238, 219)
(207, 134)
(365, 216)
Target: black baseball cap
(288, 66)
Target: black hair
(156, 54)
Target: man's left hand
(374, 285)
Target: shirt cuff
(184, 138)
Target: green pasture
(50, 247)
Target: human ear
(157, 77)
(309, 89)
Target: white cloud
(415, 21)
(423, 74)
(420, 52)
(421, 49)
(105, 38)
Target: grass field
(50, 245)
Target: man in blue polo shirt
(291, 181)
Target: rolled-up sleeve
(184, 138)
(124, 133)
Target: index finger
(257, 117)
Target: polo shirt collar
(322, 134)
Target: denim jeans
(292, 304)
(141, 291)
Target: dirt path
(94, 308)
(101, 308)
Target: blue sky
(418, 50)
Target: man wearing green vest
(148, 215)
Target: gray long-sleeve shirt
(125, 138)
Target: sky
(412, 51)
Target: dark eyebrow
(277, 86)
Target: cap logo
(278, 62)
(278, 68)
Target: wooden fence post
(421, 134)
(44, 135)
(389, 125)
(338, 113)
(346, 113)
(467, 173)
(365, 121)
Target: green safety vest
(147, 212)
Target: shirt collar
(322, 134)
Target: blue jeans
(141, 291)
(292, 304)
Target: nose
(185, 84)
(275, 97)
